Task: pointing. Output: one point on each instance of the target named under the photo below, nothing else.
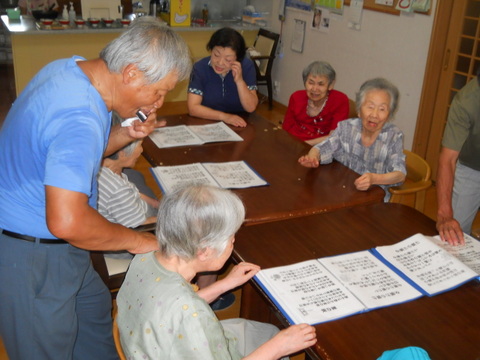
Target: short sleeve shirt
(462, 132)
(218, 92)
(383, 156)
(161, 317)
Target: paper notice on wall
(355, 17)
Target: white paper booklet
(330, 288)
(228, 175)
(183, 135)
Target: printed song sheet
(228, 175)
(427, 264)
(308, 293)
(333, 287)
(182, 135)
(372, 282)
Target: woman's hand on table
(234, 120)
(311, 159)
(240, 274)
(364, 182)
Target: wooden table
(447, 325)
(293, 191)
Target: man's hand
(450, 231)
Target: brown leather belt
(32, 238)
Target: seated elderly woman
(370, 144)
(225, 83)
(160, 316)
(119, 200)
(314, 112)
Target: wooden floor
(7, 95)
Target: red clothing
(305, 127)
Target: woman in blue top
(223, 84)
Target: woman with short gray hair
(370, 144)
(160, 314)
(314, 112)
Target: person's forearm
(118, 139)
(248, 98)
(205, 112)
(390, 178)
(150, 201)
(213, 291)
(444, 184)
(69, 217)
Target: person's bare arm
(195, 108)
(312, 159)
(121, 136)
(69, 217)
(368, 179)
(448, 228)
(288, 341)
(239, 275)
(248, 98)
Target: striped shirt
(119, 200)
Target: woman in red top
(314, 112)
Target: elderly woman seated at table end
(370, 144)
(314, 112)
(160, 316)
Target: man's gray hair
(379, 84)
(317, 68)
(127, 149)
(197, 217)
(154, 48)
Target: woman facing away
(370, 144)
(160, 316)
(314, 112)
(223, 84)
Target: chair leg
(270, 94)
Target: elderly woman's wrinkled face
(375, 110)
(222, 58)
(317, 87)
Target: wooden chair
(116, 339)
(113, 271)
(266, 44)
(418, 180)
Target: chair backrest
(417, 181)
(417, 168)
(266, 44)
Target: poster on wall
(321, 20)
(299, 4)
(334, 6)
(298, 36)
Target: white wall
(394, 47)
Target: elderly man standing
(458, 180)
(53, 305)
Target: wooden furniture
(417, 182)
(293, 190)
(116, 339)
(447, 325)
(266, 44)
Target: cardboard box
(179, 14)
